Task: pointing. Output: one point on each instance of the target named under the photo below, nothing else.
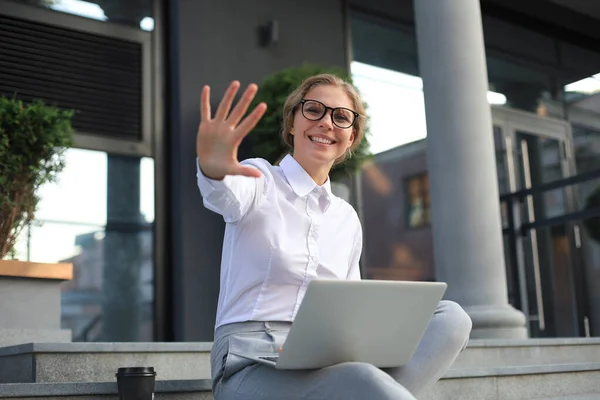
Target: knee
(457, 321)
(366, 381)
(357, 371)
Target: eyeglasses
(341, 117)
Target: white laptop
(376, 322)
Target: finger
(246, 170)
(225, 104)
(251, 120)
(242, 106)
(205, 104)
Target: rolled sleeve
(233, 196)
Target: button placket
(313, 211)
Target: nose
(326, 121)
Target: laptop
(370, 321)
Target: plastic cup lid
(136, 371)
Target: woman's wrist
(208, 174)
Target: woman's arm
(228, 187)
(235, 195)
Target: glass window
(587, 156)
(523, 87)
(386, 92)
(137, 13)
(387, 77)
(99, 217)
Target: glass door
(542, 268)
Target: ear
(352, 137)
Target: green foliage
(266, 137)
(592, 225)
(33, 138)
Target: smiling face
(317, 144)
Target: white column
(467, 231)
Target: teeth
(321, 140)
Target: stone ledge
(522, 370)
(565, 382)
(26, 269)
(588, 396)
(81, 347)
(533, 342)
(9, 390)
(16, 337)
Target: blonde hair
(291, 106)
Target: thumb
(247, 170)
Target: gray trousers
(241, 379)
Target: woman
(285, 228)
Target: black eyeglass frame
(325, 108)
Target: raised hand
(218, 138)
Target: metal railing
(518, 229)
(521, 195)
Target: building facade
(128, 214)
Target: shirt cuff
(207, 185)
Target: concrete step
(589, 396)
(579, 381)
(551, 382)
(98, 362)
(502, 353)
(165, 390)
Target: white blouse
(282, 231)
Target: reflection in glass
(79, 195)
(99, 216)
(547, 249)
(524, 87)
(587, 156)
(544, 157)
(389, 94)
(417, 188)
(582, 97)
(385, 71)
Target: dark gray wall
(213, 43)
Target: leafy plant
(592, 225)
(33, 138)
(267, 142)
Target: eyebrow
(321, 101)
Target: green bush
(267, 142)
(592, 225)
(33, 138)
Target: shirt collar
(299, 180)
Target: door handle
(512, 187)
(533, 237)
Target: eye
(342, 115)
(313, 109)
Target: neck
(319, 173)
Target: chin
(324, 159)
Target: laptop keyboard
(269, 358)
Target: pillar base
(497, 322)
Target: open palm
(219, 138)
